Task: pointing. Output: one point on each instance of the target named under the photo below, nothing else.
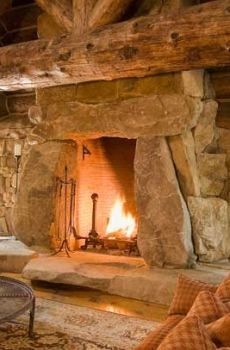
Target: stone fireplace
(151, 142)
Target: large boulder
(183, 153)
(204, 132)
(33, 212)
(210, 228)
(164, 236)
(213, 173)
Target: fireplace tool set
(67, 188)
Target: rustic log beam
(60, 10)
(107, 11)
(140, 47)
(81, 13)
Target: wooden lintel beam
(140, 47)
(60, 10)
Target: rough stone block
(96, 92)
(2, 209)
(164, 233)
(2, 184)
(3, 226)
(11, 162)
(205, 130)
(210, 228)
(2, 147)
(56, 94)
(14, 255)
(13, 181)
(183, 153)
(9, 146)
(156, 85)
(33, 211)
(193, 82)
(224, 140)
(162, 115)
(213, 173)
(2, 164)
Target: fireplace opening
(106, 210)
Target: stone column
(33, 212)
(164, 236)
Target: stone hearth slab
(124, 276)
(14, 255)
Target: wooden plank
(140, 47)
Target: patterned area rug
(66, 327)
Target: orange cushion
(154, 339)
(186, 292)
(223, 291)
(219, 331)
(189, 334)
(208, 307)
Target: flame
(120, 224)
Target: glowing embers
(122, 224)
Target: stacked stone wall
(14, 128)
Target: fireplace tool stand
(93, 237)
(65, 184)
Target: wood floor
(96, 300)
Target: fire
(120, 224)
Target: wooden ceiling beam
(107, 11)
(81, 12)
(60, 10)
(140, 47)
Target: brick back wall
(107, 171)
